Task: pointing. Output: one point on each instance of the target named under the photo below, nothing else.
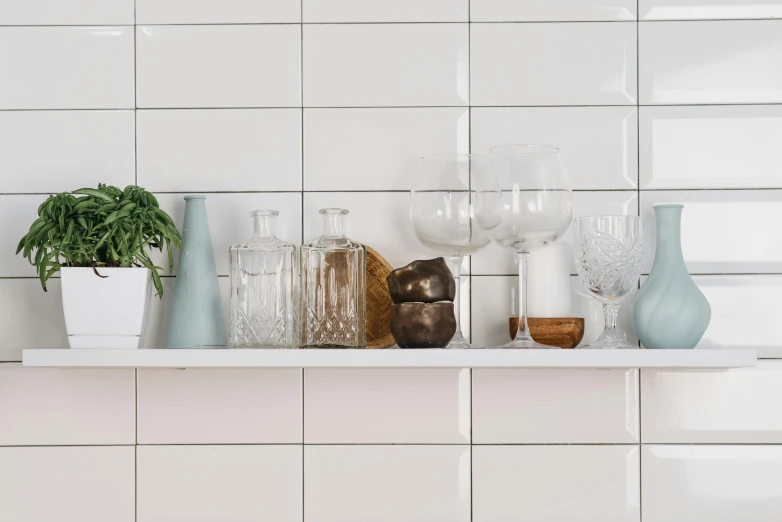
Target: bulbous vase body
(669, 311)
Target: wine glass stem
(522, 333)
(610, 311)
(456, 271)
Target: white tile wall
(352, 483)
(215, 150)
(243, 101)
(218, 66)
(52, 406)
(556, 483)
(197, 406)
(710, 62)
(387, 406)
(551, 10)
(591, 64)
(74, 68)
(226, 483)
(88, 484)
(604, 411)
(714, 483)
(386, 65)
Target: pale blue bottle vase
(669, 311)
(197, 312)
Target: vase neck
(669, 232)
(264, 223)
(333, 222)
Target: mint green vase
(197, 312)
(669, 311)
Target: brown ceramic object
(423, 325)
(425, 281)
(565, 332)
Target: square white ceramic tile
(225, 483)
(219, 150)
(708, 10)
(52, 406)
(230, 221)
(710, 62)
(66, 12)
(598, 144)
(386, 65)
(591, 64)
(384, 11)
(378, 219)
(160, 310)
(399, 483)
(743, 312)
(738, 406)
(556, 483)
(91, 484)
(222, 12)
(714, 483)
(377, 149)
(57, 151)
(218, 66)
(493, 303)
(711, 147)
(722, 231)
(209, 406)
(551, 10)
(387, 406)
(75, 68)
(495, 260)
(605, 409)
(26, 307)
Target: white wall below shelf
(706, 359)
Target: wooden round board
(378, 301)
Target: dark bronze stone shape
(423, 325)
(426, 281)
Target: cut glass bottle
(333, 288)
(264, 289)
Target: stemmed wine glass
(608, 260)
(443, 215)
(527, 205)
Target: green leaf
(94, 193)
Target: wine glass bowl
(609, 251)
(526, 205)
(442, 213)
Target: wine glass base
(606, 344)
(528, 344)
(458, 344)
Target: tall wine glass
(608, 260)
(527, 205)
(443, 216)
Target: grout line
(359, 107)
(428, 22)
(406, 191)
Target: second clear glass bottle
(333, 311)
(264, 288)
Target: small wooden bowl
(565, 332)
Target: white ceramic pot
(106, 312)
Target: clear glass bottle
(333, 312)
(264, 288)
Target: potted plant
(100, 240)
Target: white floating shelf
(705, 359)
